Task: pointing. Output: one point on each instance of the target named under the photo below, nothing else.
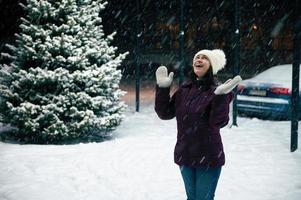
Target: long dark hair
(207, 80)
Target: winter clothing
(200, 114)
(201, 109)
(162, 79)
(216, 57)
(228, 85)
(200, 183)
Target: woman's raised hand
(228, 86)
(163, 79)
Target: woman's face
(200, 65)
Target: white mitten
(163, 80)
(229, 85)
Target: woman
(201, 108)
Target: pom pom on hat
(216, 57)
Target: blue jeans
(200, 183)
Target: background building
(266, 31)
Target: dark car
(268, 94)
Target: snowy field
(138, 164)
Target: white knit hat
(216, 57)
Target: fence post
(295, 78)
(236, 67)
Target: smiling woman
(200, 65)
(201, 108)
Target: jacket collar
(189, 83)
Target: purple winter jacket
(200, 114)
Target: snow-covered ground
(138, 164)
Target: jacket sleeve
(164, 104)
(219, 114)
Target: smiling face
(200, 65)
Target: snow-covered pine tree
(63, 81)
